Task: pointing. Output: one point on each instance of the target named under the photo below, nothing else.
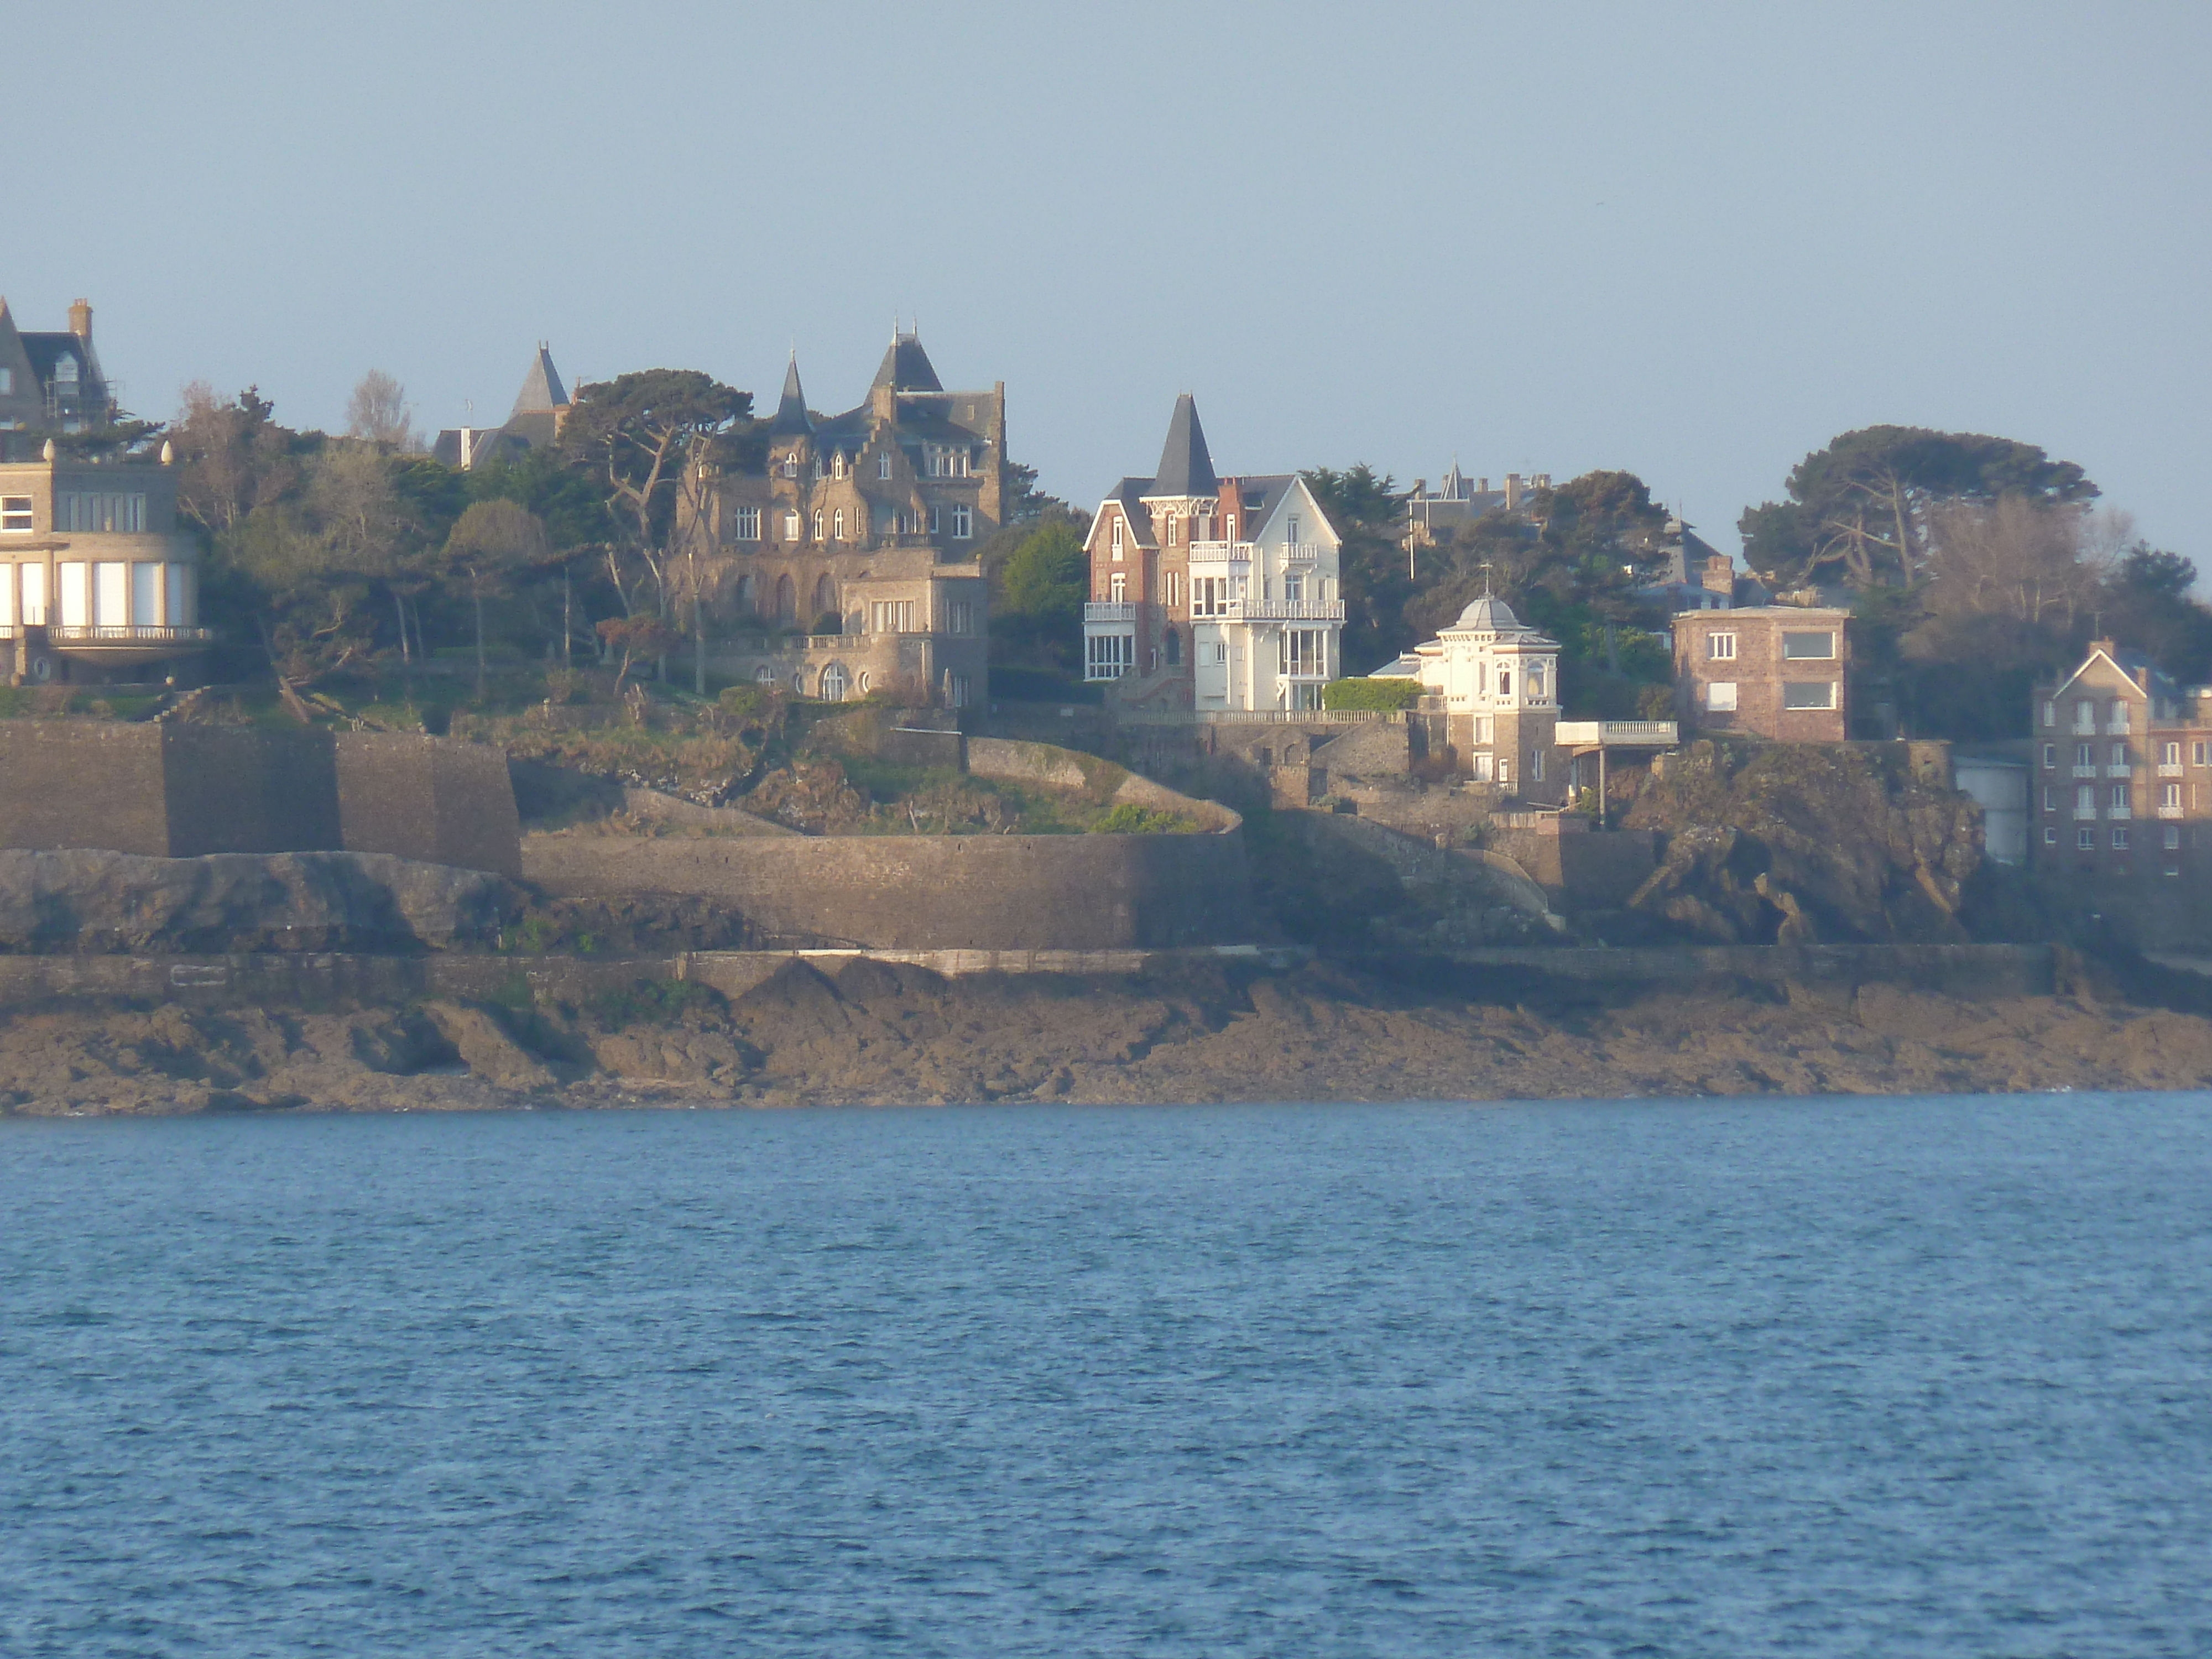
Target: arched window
(1504, 682)
(866, 682)
(764, 675)
(791, 466)
(787, 599)
(1174, 644)
(818, 524)
(838, 466)
(748, 594)
(837, 526)
(834, 683)
(791, 526)
(825, 597)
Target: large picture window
(1809, 647)
(1109, 656)
(1810, 694)
(1720, 696)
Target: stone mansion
(850, 554)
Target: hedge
(1384, 696)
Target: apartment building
(2121, 780)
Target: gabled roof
(792, 420)
(906, 367)
(1129, 496)
(542, 391)
(1186, 468)
(2134, 667)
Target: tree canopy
(1860, 510)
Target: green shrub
(1131, 819)
(1381, 697)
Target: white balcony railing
(1626, 734)
(1221, 552)
(2084, 814)
(2121, 814)
(1110, 611)
(1302, 552)
(2170, 812)
(2084, 771)
(125, 633)
(2169, 769)
(2119, 771)
(1318, 610)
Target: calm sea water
(1890, 1377)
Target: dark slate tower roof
(1185, 468)
(792, 420)
(542, 391)
(906, 367)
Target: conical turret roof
(1186, 468)
(792, 420)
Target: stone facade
(1779, 671)
(1212, 593)
(861, 529)
(96, 582)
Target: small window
(2085, 797)
(964, 523)
(883, 465)
(748, 523)
(2084, 717)
(2171, 755)
(838, 466)
(2050, 756)
(7, 382)
(791, 466)
(1536, 765)
(1117, 537)
(65, 370)
(837, 525)
(2172, 837)
(936, 520)
(818, 524)
(1117, 587)
(2050, 799)
(1721, 647)
(2085, 840)
(1720, 696)
(1504, 769)
(2200, 753)
(2119, 838)
(791, 526)
(2120, 755)
(2119, 798)
(2118, 719)
(1504, 682)
(1810, 694)
(1807, 648)
(2050, 838)
(2085, 755)
(16, 513)
(2049, 713)
(2170, 796)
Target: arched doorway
(787, 599)
(1174, 647)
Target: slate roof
(906, 367)
(792, 420)
(542, 391)
(1186, 468)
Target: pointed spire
(906, 367)
(792, 420)
(542, 391)
(1186, 468)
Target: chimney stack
(80, 319)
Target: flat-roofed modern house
(1778, 671)
(95, 581)
(1218, 594)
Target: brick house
(1212, 593)
(1778, 671)
(848, 557)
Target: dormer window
(65, 370)
(838, 466)
(791, 466)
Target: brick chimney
(80, 319)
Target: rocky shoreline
(878, 1034)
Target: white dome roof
(1489, 613)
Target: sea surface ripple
(1819, 1378)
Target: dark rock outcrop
(86, 900)
(1799, 843)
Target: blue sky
(1690, 240)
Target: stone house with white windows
(2120, 782)
(1779, 671)
(1213, 594)
(96, 583)
(847, 560)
